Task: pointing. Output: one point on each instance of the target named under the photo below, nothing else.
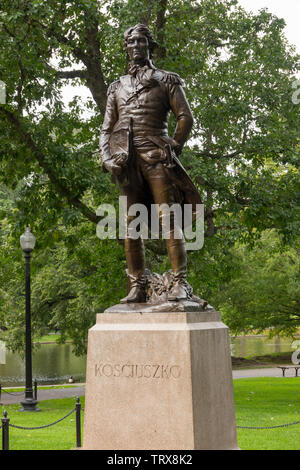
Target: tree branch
(61, 298)
(20, 87)
(27, 139)
(160, 28)
(90, 58)
(218, 156)
(146, 15)
(95, 79)
(68, 74)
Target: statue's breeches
(153, 180)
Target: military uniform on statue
(137, 150)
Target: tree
(264, 292)
(243, 156)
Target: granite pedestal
(159, 380)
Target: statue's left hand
(176, 147)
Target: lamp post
(27, 242)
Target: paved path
(78, 390)
(266, 372)
(16, 397)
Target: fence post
(78, 422)
(0, 391)
(35, 389)
(5, 432)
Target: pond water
(51, 363)
(54, 363)
(244, 346)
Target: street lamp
(27, 242)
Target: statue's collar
(137, 69)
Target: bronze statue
(137, 151)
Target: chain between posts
(16, 394)
(269, 427)
(6, 425)
(42, 427)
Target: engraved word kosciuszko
(148, 371)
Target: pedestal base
(159, 381)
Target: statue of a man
(136, 149)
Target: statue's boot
(180, 289)
(137, 293)
(135, 257)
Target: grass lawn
(21, 390)
(60, 436)
(267, 360)
(268, 401)
(258, 401)
(50, 338)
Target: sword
(124, 178)
(169, 157)
(130, 143)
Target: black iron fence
(6, 421)
(6, 424)
(17, 394)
